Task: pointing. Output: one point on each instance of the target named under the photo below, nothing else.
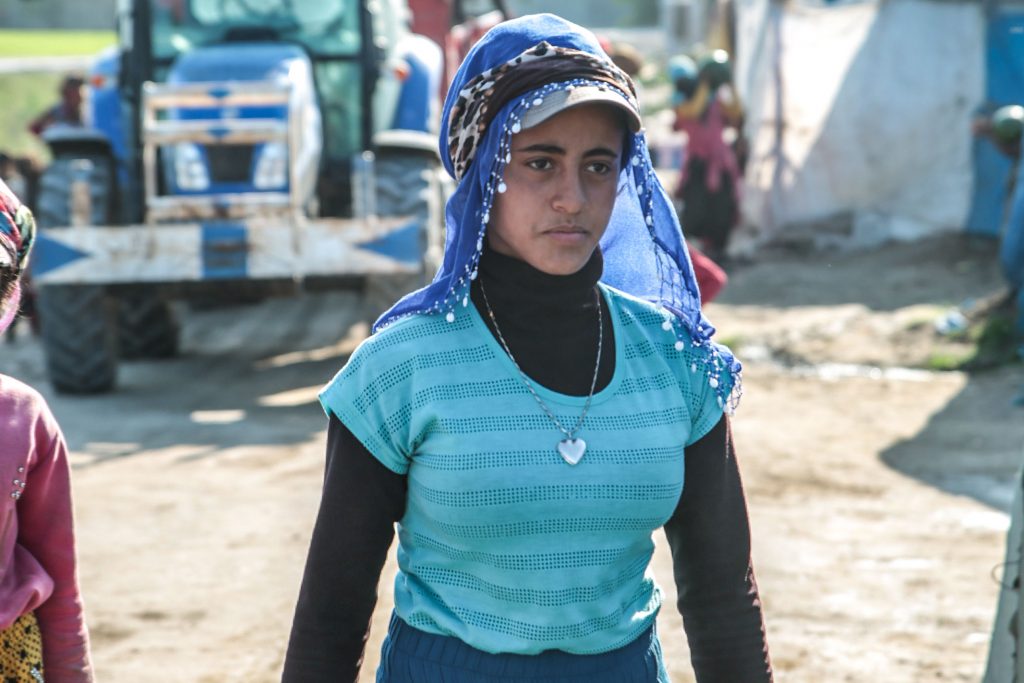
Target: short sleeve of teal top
(503, 544)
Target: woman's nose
(570, 194)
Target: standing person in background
(1004, 127)
(68, 111)
(711, 279)
(529, 418)
(42, 628)
(706, 106)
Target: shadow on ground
(974, 445)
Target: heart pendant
(572, 450)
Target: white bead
(502, 187)
(450, 317)
(713, 383)
(479, 245)
(516, 127)
(693, 367)
(636, 161)
(679, 346)
(667, 325)
(537, 102)
(465, 301)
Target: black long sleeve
(361, 501)
(709, 535)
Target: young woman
(527, 420)
(42, 630)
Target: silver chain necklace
(571, 448)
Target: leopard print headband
(484, 96)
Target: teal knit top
(503, 544)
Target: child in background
(42, 627)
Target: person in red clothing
(66, 112)
(706, 107)
(42, 628)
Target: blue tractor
(236, 146)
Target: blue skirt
(413, 656)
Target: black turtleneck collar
(549, 321)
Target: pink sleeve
(46, 530)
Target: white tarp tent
(859, 117)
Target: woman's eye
(539, 164)
(600, 167)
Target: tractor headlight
(190, 168)
(272, 167)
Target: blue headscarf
(644, 252)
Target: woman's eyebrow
(548, 148)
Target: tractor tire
(408, 184)
(147, 325)
(78, 324)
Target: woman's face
(561, 186)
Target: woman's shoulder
(412, 334)
(643, 322)
(637, 312)
(24, 407)
(398, 343)
(16, 395)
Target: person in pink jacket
(706, 105)
(43, 636)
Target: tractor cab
(331, 73)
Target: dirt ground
(877, 489)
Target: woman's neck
(516, 283)
(548, 321)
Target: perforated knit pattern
(503, 544)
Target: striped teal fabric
(504, 545)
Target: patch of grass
(944, 361)
(989, 342)
(31, 43)
(997, 342)
(26, 95)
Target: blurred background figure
(624, 56)
(708, 109)
(711, 278)
(68, 111)
(1004, 128)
